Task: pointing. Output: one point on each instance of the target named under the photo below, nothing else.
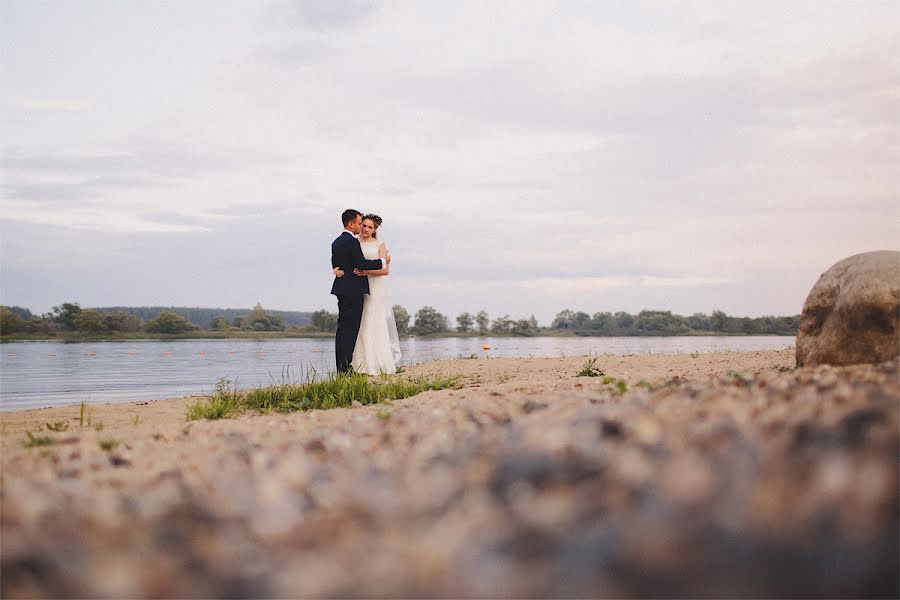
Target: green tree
(10, 322)
(260, 320)
(401, 316)
(482, 320)
(464, 322)
(323, 320)
(624, 322)
(115, 321)
(428, 321)
(219, 323)
(21, 312)
(133, 323)
(39, 325)
(64, 314)
(718, 321)
(169, 322)
(90, 321)
(602, 322)
(699, 322)
(525, 327)
(564, 319)
(581, 321)
(502, 325)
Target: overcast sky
(525, 156)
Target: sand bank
(758, 480)
(475, 375)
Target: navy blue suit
(350, 290)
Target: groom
(350, 289)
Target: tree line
(428, 321)
(69, 316)
(663, 322)
(210, 318)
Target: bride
(377, 345)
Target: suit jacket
(347, 254)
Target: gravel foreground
(779, 482)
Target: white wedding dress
(378, 344)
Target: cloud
(525, 157)
(22, 105)
(322, 16)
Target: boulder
(851, 315)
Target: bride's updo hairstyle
(375, 219)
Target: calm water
(37, 374)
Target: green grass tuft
(34, 441)
(109, 444)
(58, 426)
(590, 369)
(334, 391)
(84, 414)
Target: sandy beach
(713, 474)
(475, 375)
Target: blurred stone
(851, 315)
(787, 487)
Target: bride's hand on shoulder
(338, 272)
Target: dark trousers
(350, 309)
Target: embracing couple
(366, 340)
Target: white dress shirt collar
(351, 233)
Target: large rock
(851, 315)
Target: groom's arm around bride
(350, 289)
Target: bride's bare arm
(382, 253)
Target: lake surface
(38, 374)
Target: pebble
(691, 489)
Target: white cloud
(526, 156)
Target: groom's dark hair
(349, 215)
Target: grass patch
(58, 426)
(590, 369)
(33, 441)
(334, 391)
(620, 386)
(109, 444)
(85, 414)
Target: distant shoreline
(74, 337)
